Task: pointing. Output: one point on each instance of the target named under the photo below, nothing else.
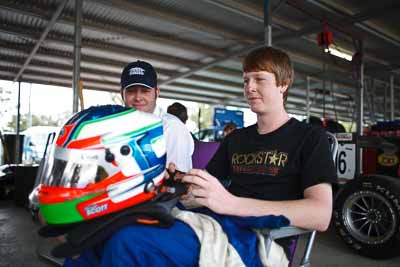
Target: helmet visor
(74, 169)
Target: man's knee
(177, 245)
(137, 233)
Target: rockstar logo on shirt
(265, 162)
(273, 158)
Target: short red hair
(271, 60)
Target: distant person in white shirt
(180, 111)
(139, 90)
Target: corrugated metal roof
(196, 46)
(215, 15)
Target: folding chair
(203, 152)
(43, 251)
(271, 235)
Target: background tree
(206, 116)
(41, 120)
(6, 106)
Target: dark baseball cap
(138, 73)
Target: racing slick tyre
(367, 214)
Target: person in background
(139, 90)
(180, 111)
(228, 128)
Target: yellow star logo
(273, 159)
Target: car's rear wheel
(367, 215)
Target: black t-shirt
(276, 166)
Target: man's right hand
(187, 199)
(172, 171)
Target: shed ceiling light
(338, 53)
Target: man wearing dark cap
(139, 90)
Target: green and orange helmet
(105, 159)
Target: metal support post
(77, 54)
(267, 23)
(360, 108)
(392, 97)
(308, 80)
(17, 143)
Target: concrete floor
(17, 237)
(18, 243)
(330, 251)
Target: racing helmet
(105, 159)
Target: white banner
(346, 161)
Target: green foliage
(41, 120)
(206, 116)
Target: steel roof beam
(103, 86)
(305, 30)
(341, 23)
(113, 82)
(376, 10)
(119, 64)
(316, 27)
(178, 19)
(108, 85)
(104, 47)
(237, 8)
(55, 16)
(105, 27)
(257, 14)
(214, 62)
(56, 68)
(65, 57)
(165, 94)
(204, 82)
(371, 12)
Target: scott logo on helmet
(90, 210)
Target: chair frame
(44, 253)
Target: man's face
(141, 98)
(261, 91)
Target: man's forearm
(309, 213)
